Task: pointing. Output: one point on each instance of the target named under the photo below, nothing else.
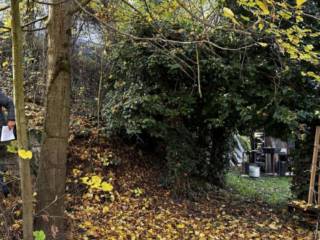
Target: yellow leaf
(7, 22)
(227, 12)
(95, 181)
(87, 224)
(299, 19)
(263, 7)
(105, 209)
(245, 18)
(107, 187)
(25, 154)
(97, 198)
(274, 226)
(263, 44)
(180, 226)
(300, 3)
(308, 47)
(5, 63)
(76, 172)
(285, 14)
(260, 26)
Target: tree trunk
(52, 166)
(26, 183)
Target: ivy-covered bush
(150, 94)
(153, 95)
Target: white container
(254, 171)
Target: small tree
(26, 183)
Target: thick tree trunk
(52, 166)
(26, 183)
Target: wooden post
(314, 167)
(318, 202)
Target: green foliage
(39, 235)
(245, 142)
(303, 158)
(152, 96)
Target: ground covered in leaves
(125, 201)
(138, 208)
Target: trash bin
(282, 168)
(254, 171)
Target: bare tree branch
(159, 39)
(35, 21)
(198, 71)
(4, 8)
(48, 3)
(6, 28)
(35, 29)
(204, 22)
(311, 16)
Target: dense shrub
(152, 93)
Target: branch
(148, 10)
(204, 22)
(34, 29)
(159, 39)
(79, 7)
(133, 7)
(311, 16)
(198, 72)
(35, 21)
(4, 32)
(48, 3)
(6, 28)
(193, 16)
(4, 8)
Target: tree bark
(26, 183)
(52, 167)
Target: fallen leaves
(128, 203)
(141, 209)
(107, 187)
(25, 154)
(95, 182)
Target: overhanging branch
(4, 8)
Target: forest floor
(138, 207)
